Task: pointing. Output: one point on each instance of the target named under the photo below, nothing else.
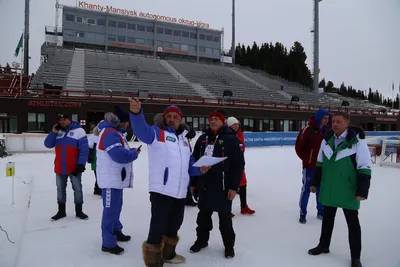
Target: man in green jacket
(343, 173)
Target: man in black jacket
(218, 187)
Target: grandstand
(129, 73)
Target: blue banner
(289, 138)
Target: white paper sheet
(208, 161)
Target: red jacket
(239, 134)
(308, 144)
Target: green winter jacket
(345, 172)
(93, 164)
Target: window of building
(74, 117)
(184, 47)
(202, 49)
(131, 26)
(167, 45)
(216, 52)
(202, 124)
(90, 21)
(13, 124)
(101, 22)
(79, 19)
(36, 121)
(285, 124)
(209, 51)
(112, 23)
(192, 48)
(149, 29)
(112, 38)
(210, 38)
(121, 38)
(202, 36)
(248, 125)
(158, 43)
(176, 46)
(185, 34)
(80, 34)
(140, 41)
(121, 25)
(69, 17)
(149, 42)
(141, 28)
(168, 31)
(177, 33)
(69, 32)
(217, 39)
(193, 35)
(160, 30)
(268, 125)
(131, 40)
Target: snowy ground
(272, 237)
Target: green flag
(19, 46)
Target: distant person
(72, 150)
(343, 172)
(114, 173)
(93, 140)
(234, 124)
(218, 187)
(307, 146)
(170, 166)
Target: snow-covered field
(271, 237)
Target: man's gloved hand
(79, 169)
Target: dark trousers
(110, 222)
(352, 223)
(205, 225)
(166, 217)
(243, 196)
(96, 186)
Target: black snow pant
(96, 186)
(352, 223)
(205, 225)
(243, 196)
(166, 217)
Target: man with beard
(218, 187)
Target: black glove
(79, 169)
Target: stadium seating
(127, 73)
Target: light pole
(233, 48)
(316, 46)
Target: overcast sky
(359, 39)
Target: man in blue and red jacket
(307, 147)
(72, 151)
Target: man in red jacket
(307, 147)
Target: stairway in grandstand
(181, 79)
(76, 76)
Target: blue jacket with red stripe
(72, 148)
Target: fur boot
(153, 254)
(169, 253)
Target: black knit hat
(122, 115)
(64, 115)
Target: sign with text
(10, 169)
(39, 103)
(135, 13)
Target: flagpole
(22, 71)
(392, 96)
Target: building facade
(82, 27)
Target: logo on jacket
(71, 133)
(220, 142)
(171, 139)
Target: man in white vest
(170, 167)
(114, 171)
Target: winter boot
(318, 250)
(121, 237)
(153, 254)
(356, 263)
(320, 215)
(169, 253)
(61, 212)
(117, 250)
(197, 246)
(79, 212)
(302, 218)
(229, 252)
(247, 210)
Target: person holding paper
(218, 187)
(170, 168)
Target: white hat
(231, 120)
